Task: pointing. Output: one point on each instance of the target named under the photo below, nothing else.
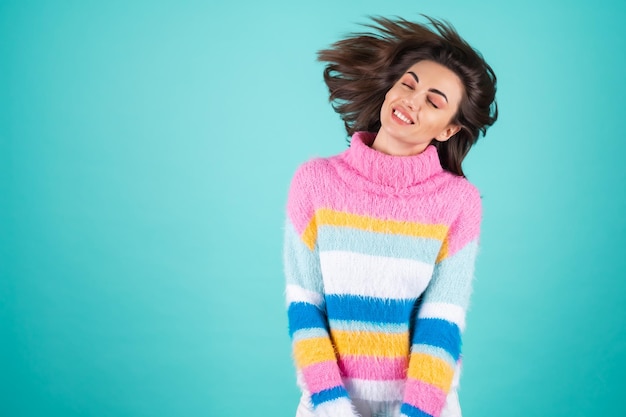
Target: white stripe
(375, 390)
(451, 312)
(373, 276)
(295, 294)
(300, 382)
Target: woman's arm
(313, 351)
(440, 321)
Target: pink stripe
(424, 396)
(310, 190)
(373, 368)
(321, 376)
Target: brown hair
(363, 67)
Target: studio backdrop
(146, 149)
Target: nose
(415, 100)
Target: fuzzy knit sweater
(379, 258)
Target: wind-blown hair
(363, 67)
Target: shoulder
(309, 173)
(311, 181)
(467, 191)
(459, 187)
(464, 196)
(317, 176)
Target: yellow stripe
(309, 236)
(339, 218)
(391, 345)
(431, 370)
(309, 351)
(443, 252)
(328, 217)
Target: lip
(404, 113)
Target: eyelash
(411, 88)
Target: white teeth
(401, 116)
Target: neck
(383, 144)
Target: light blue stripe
(378, 244)
(452, 278)
(308, 334)
(368, 326)
(302, 266)
(434, 351)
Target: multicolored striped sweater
(379, 259)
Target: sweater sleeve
(318, 372)
(440, 321)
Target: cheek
(387, 100)
(385, 105)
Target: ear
(448, 132)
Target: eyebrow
(432, 90)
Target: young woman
(380, 240)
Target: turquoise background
(145, 153)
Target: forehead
(434, 75)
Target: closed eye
(410, 87)
(432, 103)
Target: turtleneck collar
(387, 170)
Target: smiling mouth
(402, 117)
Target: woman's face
(419, 108)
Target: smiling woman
(362, 69)
(380, 241)
(416, 110)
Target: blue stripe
(439, 333)
(304, 316)
(409, 410)
(380, 244)
(328, 395)
(376, 310)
